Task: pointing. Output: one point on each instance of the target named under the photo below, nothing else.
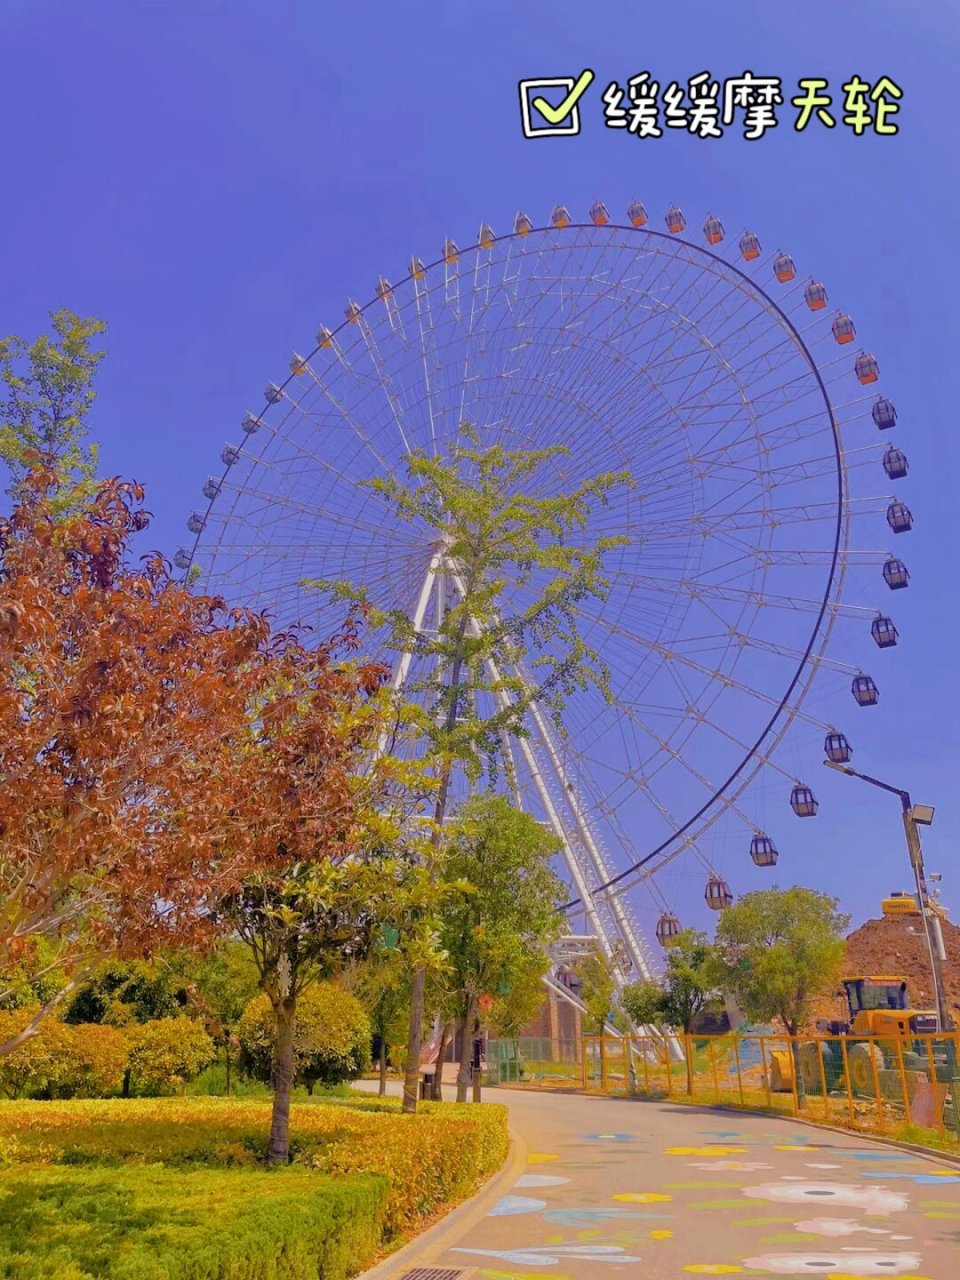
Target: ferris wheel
(747, 418)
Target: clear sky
(216, 177)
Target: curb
(928, 1153)
(437, 1239)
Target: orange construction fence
(869, 1084)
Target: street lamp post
(915, 816)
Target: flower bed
(215, 1147)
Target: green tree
(48, 393)
(220, 985)
(382, 987)
(507, 914)
(776, 951)
(685, 992)
(121, 992)
(301, 928)
(514, 1009)
(598, 987)
(518, 568)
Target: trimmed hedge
(150, 1223)
(426, 1161)
(430, 1159)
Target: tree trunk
(465, 1074)
(688, 1059)
(797, 1072)
(415, 1037)
(438, 1073)
(382, 1089)
(284, 1011)
(411, 1078)
(228, 1061)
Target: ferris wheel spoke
(671, 823)
(276, 504)
(675, 662)
(707, 591)
(676, 756)
(318, 421)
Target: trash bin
(426, 1086)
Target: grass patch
(151, 1223)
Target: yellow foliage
(430, 1158)
(168, 1052)
(60, 1059)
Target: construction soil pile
(897, 947)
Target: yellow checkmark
(553, 115)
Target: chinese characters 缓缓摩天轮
(705, 107)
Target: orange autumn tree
(126, 707)
(322, 786)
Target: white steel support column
(570, 857)
(553, 816)
(403, 666)
(624, 924)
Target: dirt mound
(897, 946)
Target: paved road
(614, 1188)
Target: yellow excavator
(878, 1008)
(901, 903)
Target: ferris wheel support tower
(614, 930)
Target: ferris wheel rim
(645, 230)
(764, 301)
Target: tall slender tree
(686, 991)
(45, 402)
(598, 988)
(518, 567)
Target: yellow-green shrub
(168, 1052)
(94, 1060)
(32, 1066)
(430, 1159)
(61, 1060)
(331, 1036)
(208, 1224)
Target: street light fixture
(914, 816)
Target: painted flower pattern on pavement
(546, 1255)
(833, 1194)
(846, 1263)
(730, 1166)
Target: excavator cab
(866, 995)
(881, 1006)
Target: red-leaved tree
(139, 738)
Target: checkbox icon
(551, 106)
